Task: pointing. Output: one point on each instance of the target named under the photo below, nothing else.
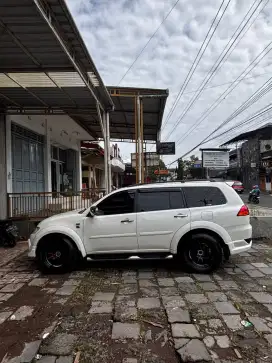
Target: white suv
(197, 222)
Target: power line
(149, 40)
(219, 62)
(196, 60)
(227, 92)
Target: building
(252, 161)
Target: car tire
(57, 254)
(201, 253)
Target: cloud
(116, 31)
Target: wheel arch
(209, 232)
(78, 245)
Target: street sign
(166, 148)
(161, 172)
(150, 159)
(215, 159)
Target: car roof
(176, 184)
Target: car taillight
(243, 211)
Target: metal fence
(43, 205)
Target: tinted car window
(118, 203)
(203, 196)
(159, 200)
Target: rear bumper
(236, 247)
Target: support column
(47, 158)
(8, 155)
(106, 170)
(79, 168)
(108, 147)
(3, 169)
(139, 140)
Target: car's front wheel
(56, 254)
(201, 253)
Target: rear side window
(203, 196)
(150, 201)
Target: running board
(146, 256)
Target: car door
(113, 228)
(161, 212)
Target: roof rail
(175, 181)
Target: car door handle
(127, 220)
(181, 215)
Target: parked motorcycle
(8, 233)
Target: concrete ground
(137, 312)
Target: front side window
(118, 203)
(203, 196)
(150, 201)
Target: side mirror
(93, 211)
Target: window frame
(203, 206)
(158, 190)
(129, 191)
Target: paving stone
(260, 324)
(103, 296)
(194, 351)
(166, 282)
(125, 300)
(173, 301)
(239, 296)
(189, 288)
(209, 341)
(49, 290)
(233, 321)
(72, 282)
(246, 266)
(259, 264)
(268, 337)
(254, 273)
(225, 307)
(5, 297)
(149, 292)
(217, 296)
(100, 307)
(4, 315)
(126, 314)
(23, 312)
(250, 286)
(11, 287)
(202, 277)
(266, 270)
(178, 315)
(125, 331)
(167, 291)
(269, 307)
(228, 285)
(69, 359)
(180, 342)
(181, 279)
(61, 344)
(223, 341)
(146, 275)
(146, 283)
(38, 282)
(184, 331)
(128, 289)
(196, 298)
(47, 359)
(129, 360)
(208, 286)
(217, 277)
(66, 290)
(129, 280)
(262, 297)
(29, 352)
(148, 303)
(206, 311)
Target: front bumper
(31, 248)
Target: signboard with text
(166, 148)
(215, 159)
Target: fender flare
(66, 231)
(208, 225)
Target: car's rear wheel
(201, 253)
(56, 254)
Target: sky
(116, 31)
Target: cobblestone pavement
(138, 312)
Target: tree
(180, 169)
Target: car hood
(60, 216)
